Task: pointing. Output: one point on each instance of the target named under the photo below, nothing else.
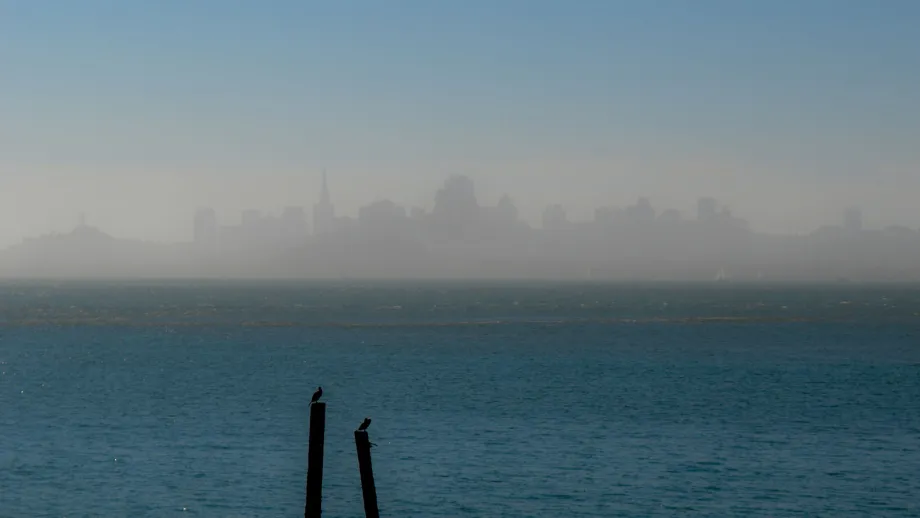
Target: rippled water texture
(492, 400)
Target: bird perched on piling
(316, 395)
(365, 424)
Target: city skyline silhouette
(137, 114)
(608, 121)
(460, 237)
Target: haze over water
(138, 114)
(487, 400)
(526, 139)
(728, 189)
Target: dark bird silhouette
(365, 424)
(316, 395)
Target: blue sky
(137, 112)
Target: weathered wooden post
(314, 504)
(363, 445)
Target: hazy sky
(139, 111)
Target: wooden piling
(314, 504)
(363, 445)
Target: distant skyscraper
(669, 216)
(641, 212)
(206, 229)
(706, 209)
(506, 211)
(853, 219)
(607, 215)
(555, 218)
(324, 212)
(456, 211)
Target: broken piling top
(369, 491)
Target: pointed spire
(325, 196)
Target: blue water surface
(159, 399)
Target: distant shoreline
(452, 282)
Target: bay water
(487, 399)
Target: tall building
(506, 211)
(206, 229)
(555, 218)
(853, 219)
(641, 212)
(456, 212)
(669, 216)
(324, 212)
(706, 209)
(606, 216)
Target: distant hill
(88, 252)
